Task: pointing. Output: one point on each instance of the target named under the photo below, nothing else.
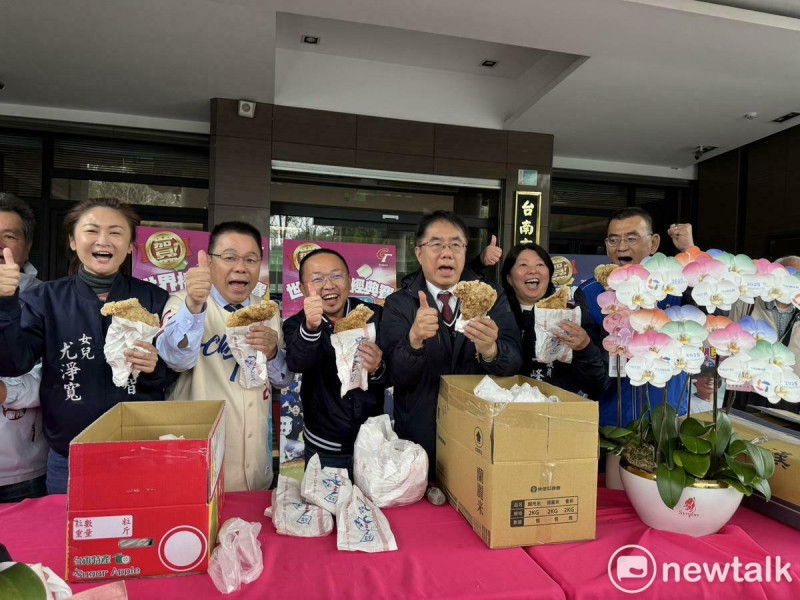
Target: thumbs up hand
(9, 274)
(198, 284)
(492, 254)
(312, 307)
(426, 323)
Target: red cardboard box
(139, 506)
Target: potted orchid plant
(699, 470)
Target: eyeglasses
(231, 260)
(630, 240)
(10, 237)
(438, 247)
(319, 280)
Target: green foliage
(693, 449)
(19, 582)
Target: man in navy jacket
(418, 337)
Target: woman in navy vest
(60, 323)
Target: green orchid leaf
(696, 464)
(665, 430)
(745, 472)
(760, 462)
(20, 582)
(763, 487)
(615, 433)
(736, 484)
(694, 427)
(768, 458)
(671, 482)
(723, 434)
(606, 445)
(696, 444)
(736, 448)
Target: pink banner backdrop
(373, 269)
(162, 256)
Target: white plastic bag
(361, 526)
(252, 363)
(237, 559)
(122, 335)
(292, 515)
(546, 321)
(326, 487)
(351, 372)
(390, 471)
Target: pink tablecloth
(582, 569)
(439, 556)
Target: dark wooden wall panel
(225, 120)
(469, 168)
(530, 148)
(314, 127)
(240, 170)
(395, 136)
(471, 143)
(389, 161)
(307, 153)
(719, 202)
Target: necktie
(447, 312)
(233, 307)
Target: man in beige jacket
(785, 319)
(194, 343)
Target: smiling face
(442, 268)
(102, 240)
(529, 277)
(627, 252)
(12, 235)
(327, 274)
(705, 386)
(235, 282)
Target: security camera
(2, 85)
(698, 154)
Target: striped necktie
(447, 312)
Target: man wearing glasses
(331, 422)
(418, 337)
(630, 240)
(194, 343)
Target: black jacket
(588, 371)
(60, 322)
(415, 373)
(331, 422)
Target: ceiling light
(786, 117)
(311, 39)
(489, 63)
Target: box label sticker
(100, 528)
(544, 511)
(217, 454)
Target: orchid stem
(619, 392)
(688, 391)
(716, 384)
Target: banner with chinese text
(373, 270)
(162, 256)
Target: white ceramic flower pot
(613, 479)
(702, 509)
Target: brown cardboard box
(138, 506)
(521, 474)
(778, 437)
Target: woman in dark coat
(527, 278)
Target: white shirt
(435, 291)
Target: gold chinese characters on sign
(527, 217)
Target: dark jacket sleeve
(406, 365)
(590, 365)
(20, 347)
(303, 348)
(596, 333)
(509, 346)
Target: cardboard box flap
(508, 432)
(119, 461)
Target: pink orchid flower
(613, 322)
(731, 340)
(624, 273)
(651, 341)
(704, 269)
(765, 267)
(608, 302)
(691, 255)
(648, 319)
(619, 342)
